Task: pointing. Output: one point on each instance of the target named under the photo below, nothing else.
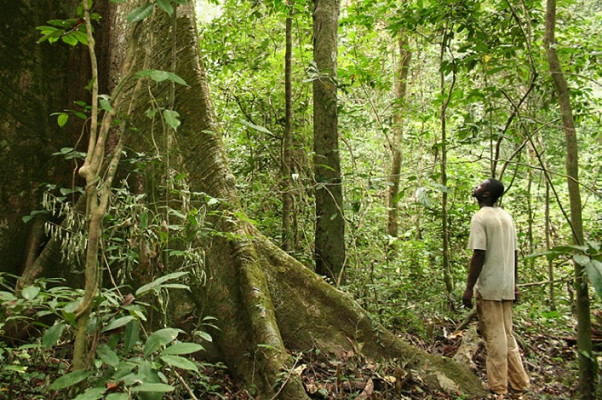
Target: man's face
(478, 191)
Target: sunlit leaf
(30, 292)
(172, 118)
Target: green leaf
(104, 104)
(62, 119)
(158, 339)
(175, 286)
(140, 13)
(153, 387)
(81, 37)
(256, 127)
(182, 348)
(594, 271)
(172, 118)
(132, 334)
(581, 259)
(107, 355)
(118, 323)
(204, 335)
(158, 282)
(93, 393)
(52, 335)
(70, 379)
(117, 396)
(165, 6)
(180, 362)
(7, 296)
(30, 292)
(160, 76)
(70, 40)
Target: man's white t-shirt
(492, 229)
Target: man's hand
(467, 298)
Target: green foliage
(142, 365)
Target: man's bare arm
(476, 266)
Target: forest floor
(547, 340)
(549, 357)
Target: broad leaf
(153, 387)
(158, 339)
(52, 335)
(256, 127)
(70, 379)
(118, 323)
(140, 13)
(132, 334)
(117, 396)
(182, 348)
(30, 292)
(107, 355)
(594, 271)
(165, 6)
(62, 119)
(94, 393)
(180, 362)
(172, 118)
(157, 282)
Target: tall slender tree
(447, 275)
(587, 363)
(330, 220)
(288, 234)
(400, 85)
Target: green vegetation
(479, 102)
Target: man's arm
(476, 266)
(516, 290)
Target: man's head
(488, 191)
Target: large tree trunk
(266, 302)
(34, 82)
(330, 222)
(587, 363)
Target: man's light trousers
(504, 363)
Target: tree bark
(288, 233)
(330, 222)
(587, 364)
(447, 274)
(401, 81)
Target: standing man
(493, 270)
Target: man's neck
(485, 204)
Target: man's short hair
(496, 188)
